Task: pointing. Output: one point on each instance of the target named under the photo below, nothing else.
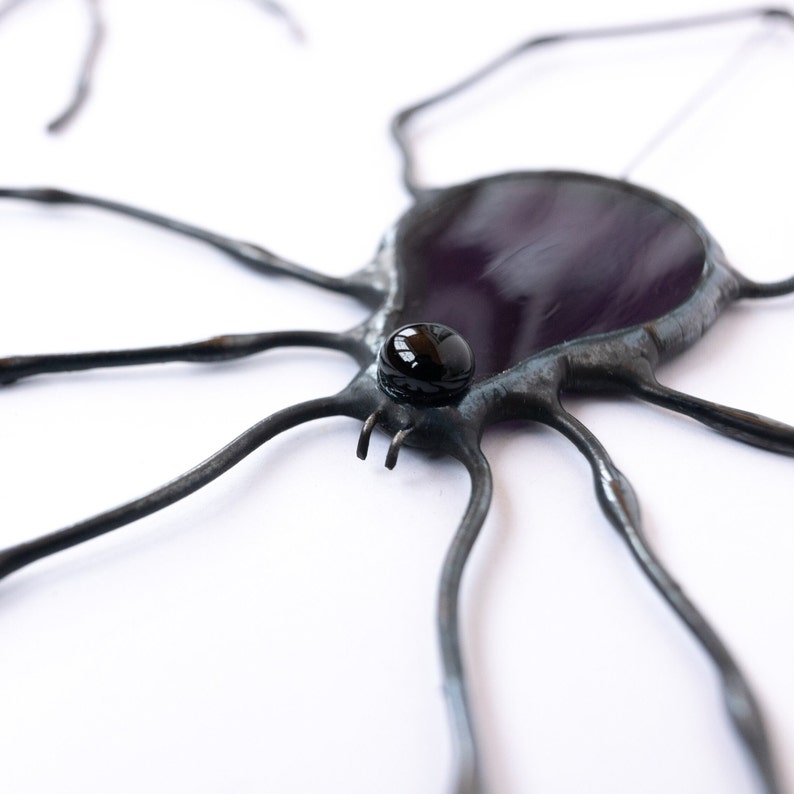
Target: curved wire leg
(85, 76)
(753, 429)
(770, 289)
(253, 256)
(83, 87)
(217, 348)
(278, 10)
(468, 776)
(402, 119)
(619, 504)
(17, 557)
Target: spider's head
(425, 364)
(422, 369)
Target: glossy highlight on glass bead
(426, 364)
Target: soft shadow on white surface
(275, 632)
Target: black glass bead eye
(425, 363)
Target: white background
(275, 632)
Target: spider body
(558, 282)
(520, 263)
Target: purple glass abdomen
(522, 262)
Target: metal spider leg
(468, 775)
(619, 504)
(94, 44)
(81, 91)
(772, 289)
(253, 256)
(85, 75)
(403, 118)
(759, 431)
(16, 557)
(214, 349)
(278, 10)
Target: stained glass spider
(671, 282)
